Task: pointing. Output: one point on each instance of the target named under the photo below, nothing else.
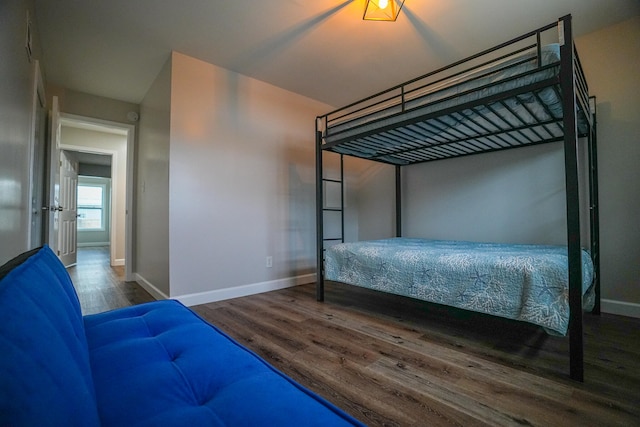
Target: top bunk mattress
(495, 78)
(456, 107)
(522, 282)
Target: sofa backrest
(45, 373)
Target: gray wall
(152, 186)
(514, 196)
(83, 104)
(94, 170)
(611, 59)
(225, 178)
(241, 183)
(16, 97)
(376, 209)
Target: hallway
(101, 287)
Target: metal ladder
(321, 209)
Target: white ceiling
(318, 48)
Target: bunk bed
(527, 91)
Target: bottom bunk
(521, 282)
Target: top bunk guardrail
(504, 97)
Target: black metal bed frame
(391, 127)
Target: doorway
(91, 208)
(99, 144)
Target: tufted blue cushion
(45, 376)
(156, 364)
(160, 364)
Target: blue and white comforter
(522, 282)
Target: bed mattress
(520, 282)
(507, 75)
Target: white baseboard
(241, 291)
(118, 262)
(149, 287)
(620, 308)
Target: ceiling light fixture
(382, 10)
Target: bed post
(593, 194)
(319, 218)
(398, 202)
(567, 86)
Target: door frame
(130, 131)
(37, 159)
(53, 177)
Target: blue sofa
(155, 364)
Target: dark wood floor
(101, 287)
(393, 361)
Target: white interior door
(53, 178)
(68, 211)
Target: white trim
(155, 292)
(118, 262)
(128, 225)
(244, 290)
(621, 308)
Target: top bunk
(505, 97)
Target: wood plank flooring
(101, 287)
(393, 361)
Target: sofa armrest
(45, 375)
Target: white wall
(152, 187)
(611, 59)
(16, 95)
(72, 138)
(241, 183)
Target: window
(91, 206)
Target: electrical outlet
(269, 261)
